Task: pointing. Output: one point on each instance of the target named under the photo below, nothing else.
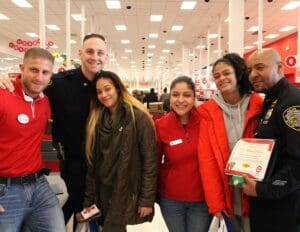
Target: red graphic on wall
(23, 45)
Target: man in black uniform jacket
(69, 95)
(274, 205)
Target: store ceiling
(100, 19)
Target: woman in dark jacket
(120, 148)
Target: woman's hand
(79, 217)
(144, 211)
(219, 214)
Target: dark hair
(36, 52)
(186, 80)
(93, 35)
(165, 90)
(118, 84)
(240, 70)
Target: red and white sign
(292, 61)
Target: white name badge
(23, 118)
(175, 142)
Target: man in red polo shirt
(25, 195)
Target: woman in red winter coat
(181, 197)
(231, 114)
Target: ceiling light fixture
(253, 29)
(113, 4)
(125, 41)
(287, 28)
(170, 41)
(153, 35)
(213, 36)
(177, 28)
(22, 3)
(53, 27)
(156, 18)
(3, 17)
(121, 27)
(188, 5)
(291, 5)
(77, 17)
(271, 36)
(248, 47)
(32, 34)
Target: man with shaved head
(274, 204)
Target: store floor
(157, 225)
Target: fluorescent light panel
(256, 42)
(200, 46)
(3, 17)
(53, 27)
(77, 17)
(150, 54)
(125, 41)
(72, 41)
(54, 46)
(170, 41)
(156, 18)
(271, 36)
(213, 36)
(128, 50)
(253, 29)
(151, 46)
(22, 3)
(188, 5)
(177, 28)
(166, 50)
(248, 47)
(153, 35)
(291, 5)
(32, 34)
(288, 28)
(121, 27)
(113, 4)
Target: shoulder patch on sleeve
(291, 117)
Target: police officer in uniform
(274, 204)
(69, 94)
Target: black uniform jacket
(70, 94)
(279, 192)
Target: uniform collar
(277, 88)
(19, 91)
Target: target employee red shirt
(179, 177)
(22, 124)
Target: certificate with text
(250, 157)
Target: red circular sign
(291, 61)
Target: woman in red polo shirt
(181, 197)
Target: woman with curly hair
(230, 115)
